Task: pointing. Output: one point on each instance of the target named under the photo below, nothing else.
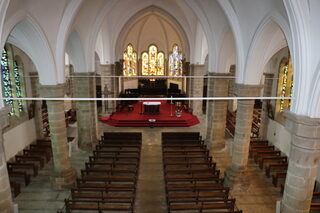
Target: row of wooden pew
(191, 178)
(27, 164)
(275, 165)
(108, 182)
(256, 120)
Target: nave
(150, 194)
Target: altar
(151, 108)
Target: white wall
(279, 136)
(18, 138)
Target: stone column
(303, 162)
(218, 87)
(107, 83)
(85, 87)
(64, 175)
(268, 81)
(240, 150)
(197, 88)
(231, 106)
(37, 107)
(6, 204)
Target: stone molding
(84, 74)
(268, 75)
(52, 91)
(220, 74)
(245, 90)
(305, 130)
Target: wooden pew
(15, 187)
(265, 153)
(19, 165)
(22, 175)
(272, 159)
(275, 167)
(33, 152)
(102, 194)
(98, 205)
(277, 176)
(22, 158)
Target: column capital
(52, 91)
(34, 74)
(220, 74)
(301, 125)
(4, 119)
(268, 75)
(245, 90)
(83, 74)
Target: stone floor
(259, 197)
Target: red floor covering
(134, 118)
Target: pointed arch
(75, 50)
(28, 36)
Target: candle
(171, 100)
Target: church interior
(153, 106)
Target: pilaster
(64, 175)
(108, 87)
(218, 87)
(240, 148)
(6, 204)
(268, 81)
(84, 87)
(303, 162)
(197, 88)
(37, 107)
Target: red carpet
(134, 118)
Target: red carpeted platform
(134, 118)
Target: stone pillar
(6, 204)
(303, 162)
(85, 87)
(268, 81)
(197, 88)
(231, 103)
(37, 107)
(218, 87)
(64, 175)
(240, 150)
(107, 87)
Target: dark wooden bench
(275, 167)
(221, 204)
(15, 187)
(20, 165)
(277, 176)
(84, 183)
(102, 194)
(265, 153)
(98, 205)
(22, 175)
(108, 178)
(191, 177)
(196, 186)
(33, 152)
(254, 149)
(93, 160)
(40, 160)
(272, 159)
(112, 171)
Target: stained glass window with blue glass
(6, 80)
(18, 88)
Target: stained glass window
(175, 62)
(129, 61)
(12, 86)
(145, 63)
(285, 85)
(18, 86)
(153, 62)
(6, 80)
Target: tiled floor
(259, 197)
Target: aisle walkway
(151, 188)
